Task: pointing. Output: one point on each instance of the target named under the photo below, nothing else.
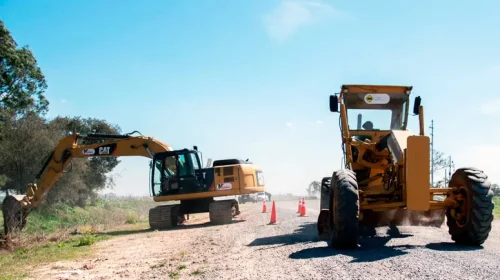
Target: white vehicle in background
(261, 197)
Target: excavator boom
(175, 175)
(15, 208)
(110, 146)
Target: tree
(496, 189)
(22, 85)
(95, 170)
(22, 82)
(28, 142)
(440, 162)
(25, 144)
(313, 188)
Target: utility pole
(447, 171)
(432, 152)
(451, 165)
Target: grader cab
(386, 174)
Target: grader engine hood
(412, 153)
(396, 143)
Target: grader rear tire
(322, 225)
(477, 206)
(344, 217)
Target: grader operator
(386, 174)
(174, 175)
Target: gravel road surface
(249, 248)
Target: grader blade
(14, 214)
(404, 217)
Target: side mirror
(334, 103)
(195, 148)
(416, 105)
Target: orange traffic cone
(273, 214)
(264, 206)
(300, 206)
(303, 209)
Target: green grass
(14, 265)
(104, 213)
(496, 211)
(59, 232)
(197, 272)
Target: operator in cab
(368, 125)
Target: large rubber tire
(344, 210)
(479, 213)
(323, 225)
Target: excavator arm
(16, 208)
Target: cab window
(184, 166)
(194, 160)
(157, 178)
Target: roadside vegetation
(496, 211)
(58, 231)
(27, 138)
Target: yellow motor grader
(174, 175)
(386, 175)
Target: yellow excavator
(175, 175)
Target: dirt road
(251, 249)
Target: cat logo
(369, 98)
(104, 150)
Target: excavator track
(222, 211)
(164, 216)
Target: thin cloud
(495, 71)
(319, 122)
(491, 107)
(289, 124)
(284, 21)
(63, 101)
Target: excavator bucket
(14, 214)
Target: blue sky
(251, 79)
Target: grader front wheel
(470, 223)
(344, 218)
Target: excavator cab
(177, 172)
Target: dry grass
(59, 232)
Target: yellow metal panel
(389, 89)
(226, 177)
(417, 173)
